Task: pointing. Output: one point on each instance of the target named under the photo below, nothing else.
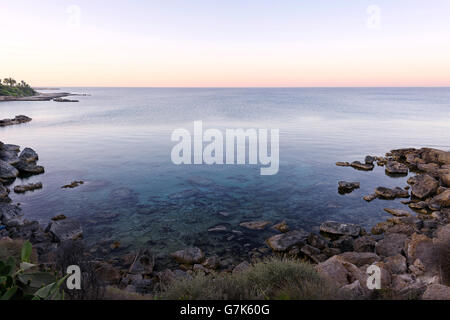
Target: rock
(419, 246)
(440, 201)
(396, 264)
(11, 215)
(436, 156)
(317, 241)
(255, 225)
(72, 185)
(17, 120)
(430, 168)
(67, 229)
(29, 155)
(212, 263)
(360, 259)
(353, 291)
(381, 227)
(313, 253)
(337, 228)
(347, 187)
(7, 171)
(10, 157)
(344, 243)
(417, 268)
(29, 168)
(364, 244)
(370, 160)
(390, 194)
(362, 166)
(394, 167)
(437, 292)
(398, 212)
(391, 245)
(59, 217)
(343, 164)
(4, 192)
(423, 186)
(340, 272)
(189, 256)
(282, 227)
(241, 267)
(106, 272)
(370, 197)
(445, 179)
(28, 187)
(418, 205)
(284, 242)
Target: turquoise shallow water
(118, 141)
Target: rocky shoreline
(412, 248)
(38, 97)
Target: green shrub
(272, 279)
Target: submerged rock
(255, 225)
(189, 256)
(337, 228)
(398, 212)
(67, 229)
(282, 227)
(72, 185)
(284, 242)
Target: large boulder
(9, 156)
(437, 292)
(29, 155)
(29, 167)
(339, 229)
(340, 272)
(440, 201)
(423, 186)
(391, 244)
(284, 242)
(435, 156)
(347, 187)
(360, 259)
(420, 247)
(67, 229)
(7, 171)
(189, 256)
(445, 179)
(396, 264)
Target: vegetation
(279, 279)
(22, 282)
(10, 87)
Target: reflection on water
(118, 142)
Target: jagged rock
(337, 228)
(440, 201)
(390, 194)
(423, 186)
(398, 212)
(437, 292)
(28, 187)
(364, 244)
(394, 167)
(7, 171)
(189, 256)
(317, 241)
(284, 242)
(67, 229)
(255, 225)
(340, 272)
(29, 155)
(396, 264)
(360, 258)
(362, 166)
(347, 187)
(391, 245)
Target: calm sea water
(118, 141)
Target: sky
(226, 43)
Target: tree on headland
(10, 87)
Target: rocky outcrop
(390, 194)
(28, 187)
(17, 120)
(423, 186)
(337, 228)
(347, 187)
(394, 167)
(63, 230)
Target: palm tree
(9, 81)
